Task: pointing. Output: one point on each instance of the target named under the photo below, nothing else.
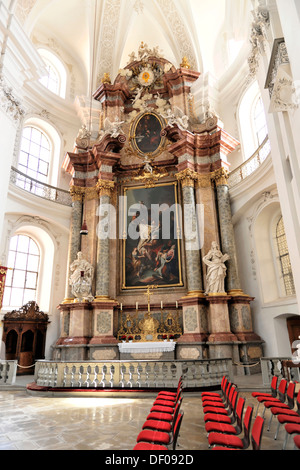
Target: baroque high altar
(152, 255)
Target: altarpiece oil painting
(151, 251)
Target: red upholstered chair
(165, 426)
(297, 441)
(214, 426)
(167, 401)
(231, 440)
(273, 394)
(283, 406)
(217, 395)
(269, 402)
(256, 436)
(223, 400)
(290, 429)
(161, 415)
(169, 394)
(257, 432)
(220, 408)
(148, 436)
(285, 416)
(228, 418)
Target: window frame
(10, 277)
(284, 276)
(55, 62)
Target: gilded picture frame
(153, 255)
(145, 135)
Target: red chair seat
(164, 426)
(160, 416)
(297, 441)
(158, 437)
(284, 411)
(215, 409)
(213, 403)
(225, 440)
(292, 428)
(148, 446)
(164, 403)
(217, 418)
(220, 427)
(167, 394)
(269, 404)
(283, 418)
(162, 409)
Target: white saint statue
(216, 269)
(81, 278)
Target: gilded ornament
(187, 178)
(105, 188)
(221, 177)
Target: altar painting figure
(152, 255)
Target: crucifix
(149, 295)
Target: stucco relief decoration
(144, 78)
(81, 279)
(279, 81)
(258, 36)
(9, 103)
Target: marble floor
(74, 423)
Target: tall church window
(51, 80)
(284, 259)
(35, 154)
(22, 277)
(55, 79)
(252, 120)
(260, 125)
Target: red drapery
(3, 272)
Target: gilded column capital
(221, 177)
(187, 177)
(204, 181)
(77, 193)
(105, 188)
(91, 193)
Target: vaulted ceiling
(100, 34)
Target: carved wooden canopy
(30, 311)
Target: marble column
(233, 286)
(105, 189)
(193, 309)
(191, 234)
(75, 237)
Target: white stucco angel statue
(177, 117)
(113, 128)
(216, 269)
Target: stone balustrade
(8, 372)
(132, 374)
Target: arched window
(252, 120)
(260, 125)
(51, 80)
(39, 155)
(35, 154)
(22, 277)
(284, 259)
(56, 78)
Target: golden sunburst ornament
(146, 77)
